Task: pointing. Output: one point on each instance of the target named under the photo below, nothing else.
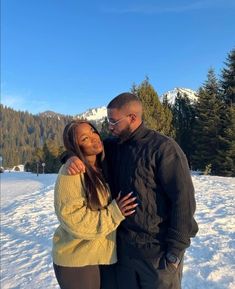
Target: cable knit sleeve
(74, 215)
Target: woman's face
(88, 140)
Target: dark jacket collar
(136, 134)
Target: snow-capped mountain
(98, 114)
(94, 114)
(171, 94)
(51, 114)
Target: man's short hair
(123, 99)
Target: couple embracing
(125, 205)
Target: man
(150, 243)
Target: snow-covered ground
(28, 223)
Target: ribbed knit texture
(84, 237)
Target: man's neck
(127, 136)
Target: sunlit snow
(28, 222)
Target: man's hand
(172, 260)
(75, 166)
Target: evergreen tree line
(31, 139)
(205, 129)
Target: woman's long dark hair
(94, 181)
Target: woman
(88, 219)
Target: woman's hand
(75, 166)
(126, 204)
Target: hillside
(23, 132)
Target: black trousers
(147, 273)
(108, 277)
(87, 277)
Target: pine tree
(104, 132)
(228, 79)
(51, 155)
(226, 152)
(155, 115)
(207, 124)
(183, 119)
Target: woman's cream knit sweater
(84, 237)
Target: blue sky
(68, 56)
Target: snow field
(28, 222)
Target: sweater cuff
(116, 212)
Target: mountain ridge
(172, 94)
(98, 114)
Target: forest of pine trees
(30, 139)
(204, 129)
